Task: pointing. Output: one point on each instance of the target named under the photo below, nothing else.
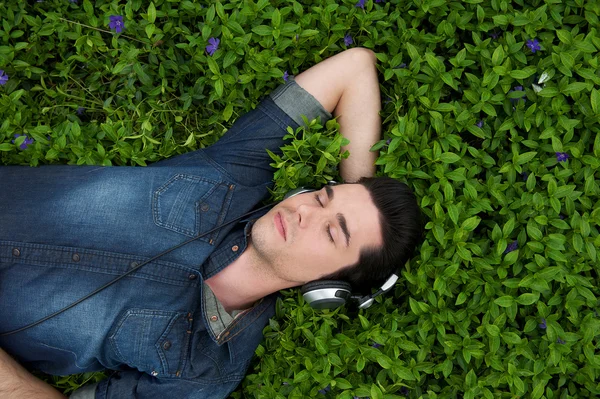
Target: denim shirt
(67, 230)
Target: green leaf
(492, 329)
(212, 65)
(574, 88)
(263, 30)
(151, 13)
(567, 60)
(528, 299)
(595, 101)
(526, 157)
(342, 383)
(144, 78)
(449, 157)
(303, 375)
(384, 361)
(522, 74)
(403, 373)
(511, 338)
(433, 62)
(534, 232)
(321, 345)
(505, 301)
(219, 87)
(276, 18)
(498, 56)
(471, 223)
(309, 33)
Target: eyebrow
(340, 217)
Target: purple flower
(285, 76)
(3, 78)
(533, 45)
(213, 45)
(404, 391)
(517, 88)
(495, 35)
(348, 39)
(116, 23)
(80, 111)
(286, 383)
(376, 345)
(296, 37)
(480, 123)
(379, 1)
(361, 4)
(562, 156)
(524, 175)
(562, 217)
(25, 143)
(511, 247)
(542, 325)
(560, 341)
(388, 141)
(325, 390)
(73, 1)
(403, 65)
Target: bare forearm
(347, 86)
(18, 383)
(358, 111)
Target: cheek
(314, 247)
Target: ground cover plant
(490, 114)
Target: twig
(102, 30)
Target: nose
(308, 214)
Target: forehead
(362, 216)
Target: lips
(280, 225)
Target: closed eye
(327, 230)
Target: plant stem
(103, 30)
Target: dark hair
(401, 229)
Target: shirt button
(192, 276)
(167, 345)
(154, 373)
(235, 248)
(16, 252)
(204, 207)
(76, 258)
(133, 264)
(214, 318)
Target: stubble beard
(266, 261)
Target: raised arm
(18, 383)
(347, 86)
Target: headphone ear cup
(326, 294)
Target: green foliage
(311, 158)
(475, 314)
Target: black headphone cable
(128, 273)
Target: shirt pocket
(189, 205)
(153, 341)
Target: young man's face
(314, 234)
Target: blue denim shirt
(67, 230)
